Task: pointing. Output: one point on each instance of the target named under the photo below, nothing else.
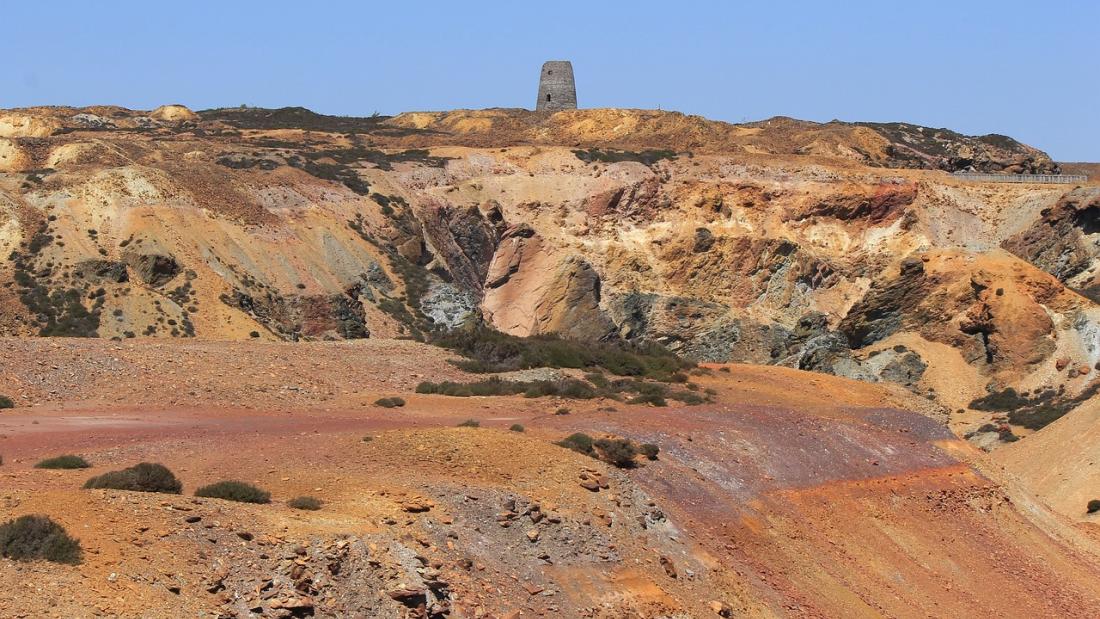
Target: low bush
(144, 477)
(516, 427)
(566, 388)
(488, 350)
(611, 155)
(393, 402)
(63, 462)
(578, 442)
(617, 451)
(653, 399)
(1094, 506)
(562, 411)
(307, 503)
(470, 423)
(6, 402)
(649, 450)
(238, 491)
(36, 538)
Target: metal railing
(1021, 178)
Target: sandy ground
(793, 495)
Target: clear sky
(1030, 70)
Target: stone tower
(557, 90)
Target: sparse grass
(470, 423)
(38, 538)
(393, 402)
(238, 491)
(144, 477)
(517, 427)
(6, 402)
(307, 503)
(63, 462)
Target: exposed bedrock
(1065, 241)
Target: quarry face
(870, 382)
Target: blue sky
(1029, 70)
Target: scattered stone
(721, 608)
(670, 568)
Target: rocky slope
(842, 248)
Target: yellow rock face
(173, 113)
(19, 125)
(12, 158)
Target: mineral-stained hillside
(816, 246)
(839, 248)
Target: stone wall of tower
(557, 90)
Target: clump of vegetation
(609, 155)
(307, 503)
(488, 350)
(617, 451)
(569, 388)
(517, 427)
(644, 392)
(562, 411)
(6, 402)
(37, 538)
(63, 462)
(578, 442)
(1094, 506)
(144, 477)
(620, 452)
(470, 423)
(238, 491)
(393, 402)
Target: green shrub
(516, 427)
(144, 477)
(234, 491)
(33, 538)
(611, 155)
(63, 462)
(653, 399)
(566, 388)
(470, 423)
(6, 402)
(393, 402)
(649, 450)
(307, 503)
(1094, 506)
(488, 350)
(617, 451)
(578, 442)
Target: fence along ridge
(1021, 178)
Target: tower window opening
(547, 96)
